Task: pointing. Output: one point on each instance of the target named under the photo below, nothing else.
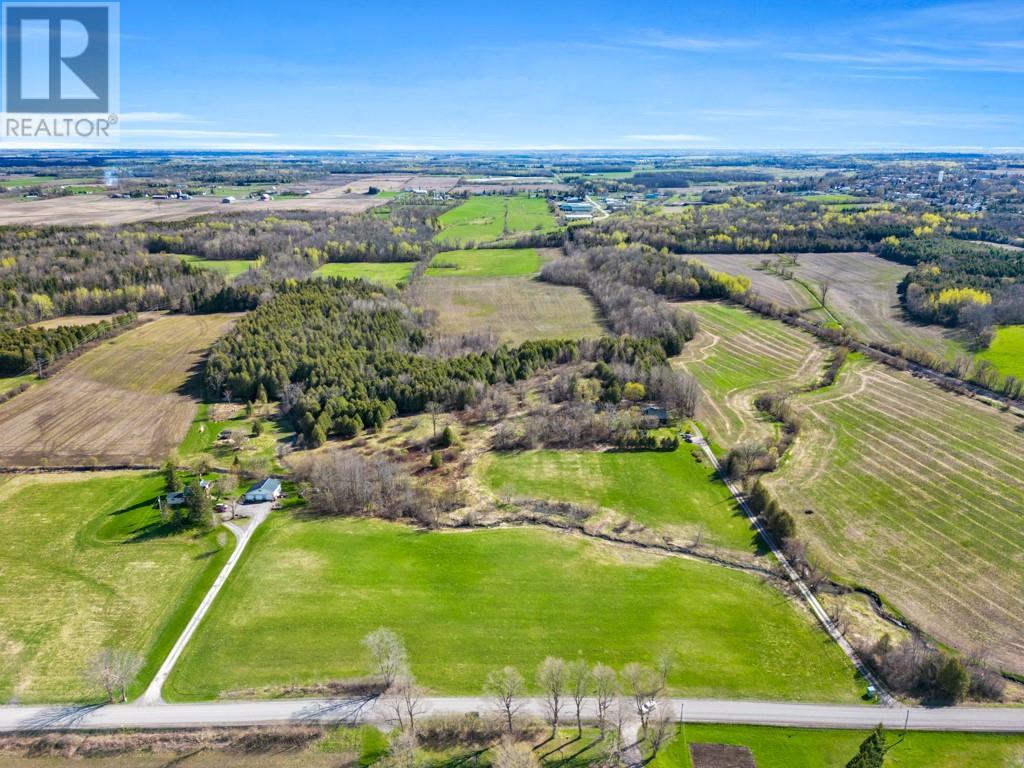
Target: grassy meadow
(738, 355)
(667, 491)
(230, 268)
(515, 308)
(486, 262)
(389, 273)
(308, 591)
(86, 564)
(824, 748)
(486, 218)
(917, 494)
(1006, 352)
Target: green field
(738, 355)
(516, 309)
(667, 491)
(813, 748)
(486, 218)
(486, 262)
(389, 273)
(230, 268)
(1007, 351)
(85, 564)
(917, 494)
(307, 592)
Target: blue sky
(857, 75)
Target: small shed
(268, 489)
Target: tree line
(772, 224)
(25, 349)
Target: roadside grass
(486, 262)
(517, 309)
(738, 355)
(671, 492)
(308, 591)
(1006, 352)
(482, 218)
(230, 268)
(824, 748)
(390, 273)
(87, 565)
(918, 495)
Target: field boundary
(812, 602)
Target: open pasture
(738, 355)
(514, 308)
(1007, 351)
(230, 268)
(124, 402)
(486, 262)
(486, 218)
(86, 565)
(862, 294)
(824, 748)
(389, 273)
(468, 602)
(918, 495)
(670, 492)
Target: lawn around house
(666, 491)
(824, 748)
(86, 565)
(308, 591)
(486, 262)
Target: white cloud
(662, 138)
(685, 43)
(190, 133)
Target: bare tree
(825, 287)
(402, 751)
(405, 699)
(577, 675)
(661, 722)
(510, 753)
(435, 409)
(606, 688)
(387, 651)
(506, 686)
(643, 684)
(551, 677)
(113, 670)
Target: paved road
(982, 719)
(794, 577)
(257, 514)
